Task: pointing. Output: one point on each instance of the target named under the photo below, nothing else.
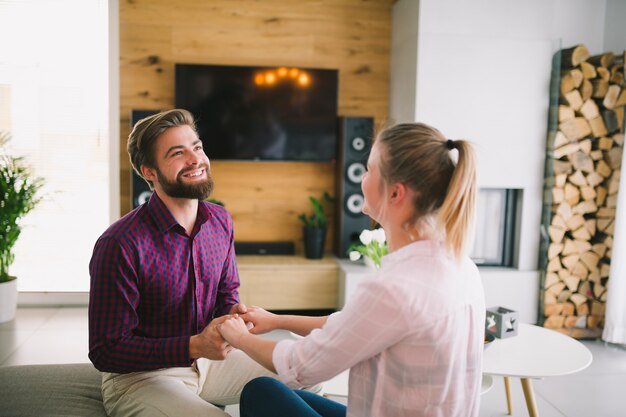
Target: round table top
(535, 352)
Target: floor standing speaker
(139, 188)
(353, 146)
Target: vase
(8, 300)
(314, 239)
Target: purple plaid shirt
(153, 286)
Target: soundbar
(265, 248)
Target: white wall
(615, 29)
(483, 73)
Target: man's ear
(148, 173)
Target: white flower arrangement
(373, 246)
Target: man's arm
(114, 345)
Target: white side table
(534, 353)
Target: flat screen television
(261, 113)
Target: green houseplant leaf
(19, 194)
(317, 219)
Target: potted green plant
(19, 194)
(314, 228)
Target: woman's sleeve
(372, 321)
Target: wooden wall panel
(352, 36)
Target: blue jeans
(268, 397)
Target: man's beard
(178, 189)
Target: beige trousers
(193, 391)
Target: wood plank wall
(350, 35)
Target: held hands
(262, 321)
(209, 343)
(233, 329)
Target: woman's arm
(264, 321)
(236, 333)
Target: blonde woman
(413, 335)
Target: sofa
(51, 390)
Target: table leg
(529, 394)
(507, 390)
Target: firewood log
(578, 178)
(598, 128)
(578, 299)
(581, 233)
(554, 249)
(581, 161)
(590, 225)
(603, 169)
(565, 113)
(572, 195)
(586, 89)
(599, 86)
(598, 308)
(614, 182)
(593, 179)
(559, 180)
(591, 260)
(589, 110)
(594, 276)
(588, 193)
(554, 322)
(568, 149)
(603, 60)
(580, 270)
(561, 167)
(611, 201)
(553, 309)
(556, 234)
(582, 245)
(584, 207)
(576, 128)
(615, 157)
(605, 143)
(572, 282)
(604, 223)
(599, 249)
(604, 212)
(600, 195)
(564, 296)
(610, 99)
(573, 56)
(583, 308)
(585, 146)
(575, 99)
(596, 155)
(619, 114)
(558, 195)
(569, 247)
(603, 74)
(588, 70)
(621, 99)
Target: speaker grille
(353, 146)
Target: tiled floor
(59, 335)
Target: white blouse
(412, 335)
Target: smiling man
(162, 278)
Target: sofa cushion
(51, 390)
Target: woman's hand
(263, 320)
(232, 330)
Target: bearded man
(162, 278)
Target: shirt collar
(421, 247)
(164, 218)
(160, 213)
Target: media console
(288, 282)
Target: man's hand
(209, 343)
(262, 321)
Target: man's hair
(142, 139)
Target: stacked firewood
(586, 154)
